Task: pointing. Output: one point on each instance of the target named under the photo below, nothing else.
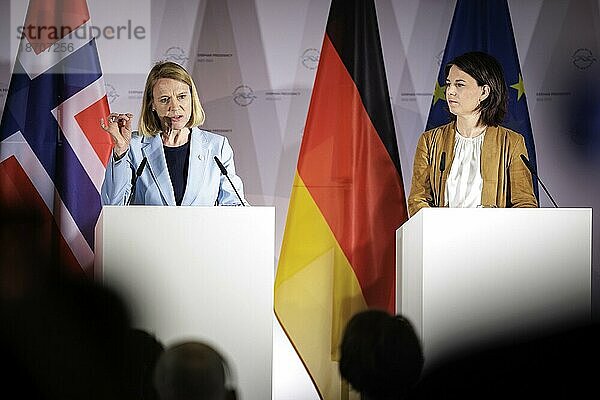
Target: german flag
(338, 250)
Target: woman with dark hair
(472, 161)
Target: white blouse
(464, 183)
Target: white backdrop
(254, 62)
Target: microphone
(530, 168)
(134, 178)
(224, 172)
(442, 169)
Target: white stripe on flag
(36, 64)
(79, 143)
(16, 145)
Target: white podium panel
(467, 276)
(200, 273)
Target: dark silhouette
(142, 350)
(381, 355)
(559, 364)
(62, 336)
(193, 370)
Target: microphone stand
(530, 168)
(442, 169)
(224, 172)
(134, 178)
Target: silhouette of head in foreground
(193, 370)
(381, 355)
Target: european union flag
(485, 25)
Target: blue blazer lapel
(199, 160)
(157, 162)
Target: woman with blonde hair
(170, 160)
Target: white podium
(200, 273)
(467, 276)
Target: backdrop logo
(3, 94)
(243, 95)
(176, 54)
(3, 89)
(135, 94)
(310, 58)
(208, 57)
(583, 58)
(111, 93)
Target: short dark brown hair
(486, 70)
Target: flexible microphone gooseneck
(442, 169)
(530, 168)
(134, 178)
(224, 172)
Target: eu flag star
(519, 87)
(439, 93)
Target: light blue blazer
(206, 186)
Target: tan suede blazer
(506, 180)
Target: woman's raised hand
(119, 128)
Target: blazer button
(201, 157)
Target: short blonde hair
(150, 124)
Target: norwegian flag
(53, 152)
